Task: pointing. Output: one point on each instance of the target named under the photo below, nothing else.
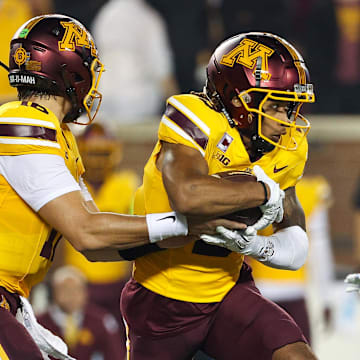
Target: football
(246, 216)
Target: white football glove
(353, 281)
(273, 210)
(245, 242)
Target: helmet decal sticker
(33, 65)
(20, 56)
(246, 54)
(24, 33)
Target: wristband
(164, 225)
(266, 192)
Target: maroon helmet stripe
(27, 131)
(187, 125)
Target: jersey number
(202, 248)
(48, 250)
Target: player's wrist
(266, 189)
(164, 225)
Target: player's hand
(196, 228)
(353, 282)
(228, 241)
(244, 241)
(273, 210)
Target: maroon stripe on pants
(37, 132)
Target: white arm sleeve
(84, 190)
(286, 249)
(38, 178)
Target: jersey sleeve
(21, 134)
(38, 178)
(181, 124)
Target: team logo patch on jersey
(222, 158)
(225, 142)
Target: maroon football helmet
(258, 67)
(56, 54)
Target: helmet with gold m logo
(56, 55)
(255, 68)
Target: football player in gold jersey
(202, 296)
(55, 67)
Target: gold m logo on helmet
(20, 56)
(75, 35)
(246, 54)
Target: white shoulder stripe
(19, 120)
(165, 120)
(30, 142)
(190, 115)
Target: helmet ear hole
(38, 48)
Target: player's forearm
(286, 249)
(192, 191)
(208, 196)
(92, 230)
(111, 231)
(293, 212)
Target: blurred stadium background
(327, 32)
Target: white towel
(48, 343)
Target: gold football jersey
(115, 195)
(199, 272)
(27, 243)
(312, 192)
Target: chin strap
(214, 97)
(260, 145)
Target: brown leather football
(246, 216)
